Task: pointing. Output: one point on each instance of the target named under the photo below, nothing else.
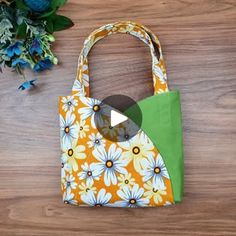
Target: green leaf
(58, 22)
(57, 3)
(21, 5)
(61, 23)
(49, 26)
(48, 13)
(21, 31)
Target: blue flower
(14, 49)
(39, 5)
(20, 62)
(27, 85)
(43, 65)
(35, 47)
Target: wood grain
(199, 43)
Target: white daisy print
(137, 149)
(107, 27)
(101, 199)
(109, 130)
(85, 76)
(88, 43)
(85, 188)
(127, 131)
(159, 73)
(69, 103)
(110, 164)
(154, 168)
(125, 181)
(65, 167)
(167, 203)
(89, 173)
(68, 130)
(96, 141)
(83, 128)
(153, 192)
(139, 35)
(78, 88)
(73, 152)
(94, 109)
(131, 197)
(70, 183)
(68, 198)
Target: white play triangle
(117, 118)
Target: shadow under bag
(144, 171)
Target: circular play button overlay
(115, 123)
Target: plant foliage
(26, 33)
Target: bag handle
(81, 84)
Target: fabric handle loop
(81, 84)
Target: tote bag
(144, 171)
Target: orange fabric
(96, 171)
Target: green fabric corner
(162, 123)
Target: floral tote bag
(144, 171)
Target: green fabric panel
(162, 123)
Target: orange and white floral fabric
(81, 85)
(100, 172)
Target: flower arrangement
(26, 35)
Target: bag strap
(81, 84)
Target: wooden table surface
(199, 43)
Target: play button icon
(115, 125)
(117, 118)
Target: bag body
(146, 170)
